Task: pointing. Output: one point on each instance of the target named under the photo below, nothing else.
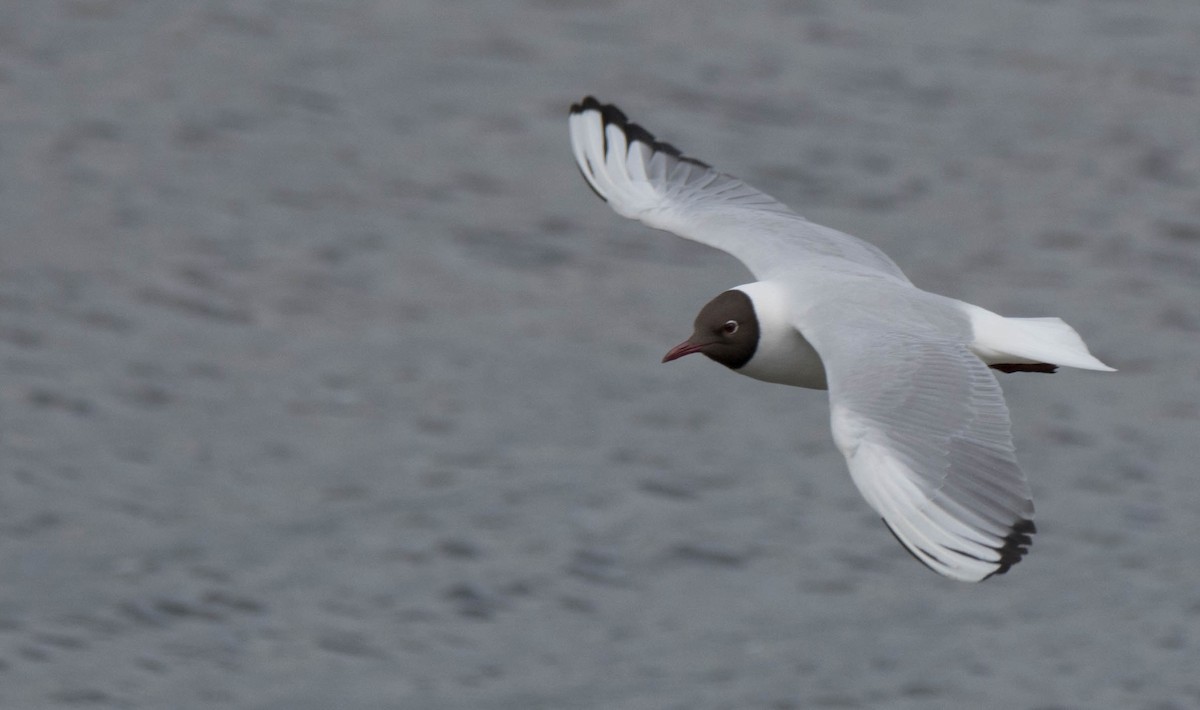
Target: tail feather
(1030, 341)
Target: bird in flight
(915, 407)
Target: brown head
(726, 330)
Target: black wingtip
(588, 102)
(1016, 545)
(611, 115)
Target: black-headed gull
(915, 408)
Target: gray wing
(645, 179)
(925, 431)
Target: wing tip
(611, 115)
(1015, 547)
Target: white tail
(1000, 340)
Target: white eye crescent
(730, 327)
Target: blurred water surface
(328, 383)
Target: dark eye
(730, 327)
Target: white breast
(783, 356)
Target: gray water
(326, 382)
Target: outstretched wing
(645, 179)
(925, 432)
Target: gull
(915, 408)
